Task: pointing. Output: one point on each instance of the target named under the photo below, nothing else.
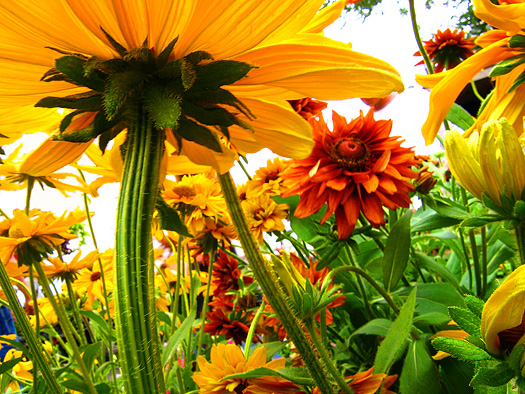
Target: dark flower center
(184, 191)
(509, 338)
(351, 153)
(95, 276)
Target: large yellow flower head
(490, 163)
(505, 44)
(204, 71)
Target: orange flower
(268, 179)
(308, 107)
(264, 215)
(356, 167)
(368, 382)
(447, 49)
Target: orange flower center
(351, 153)
(15, 231)
(509, 338)
(95, 276)
(259, 214)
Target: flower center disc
(351, 153)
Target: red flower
(447, 49)
(308, 107)
(237, 329)
(226, 274)
(356, 167)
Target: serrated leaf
(73, 67)
(88, 101)
(170, 219)
(514, 359)
(475, 305)
(460, 349)
(379, 327)
(394, 344)
(191, 131)
(298, 374)
(460, 117)
(163, 108)
(494, 376)
(467, 320)
(419, 373)
(397, 251)
(180, 334)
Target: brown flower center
(184, 191)
(351, 153)
(509, 338)
(95, 276)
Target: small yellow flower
(268, 179)
(503, 317)
(63, 270)
(264, 215)
(490, 163)
(46, 313)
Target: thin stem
(327, 361)
(251, 331)
(362, 289)
(244, 170)
(37, 316)
(65, 324)
(415, 28)
(30, 184)
(205, 305)
(265, 278)
(475, 90)
(520, 241)
(484, 261)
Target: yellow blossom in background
(446, 87)
(46, 313)
(503, 317)
(89, 281)
(293, 58)
(28, 237)
(268, 179)
(491, 162)
(26, 120)
(22, 370)
(264, 215)
(228, 360)
(69, 270)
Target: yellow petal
(447, 90)
(316, 66)
(325, 17)
(489, 162)
(203, 156)
(510, 17)
(512, 160)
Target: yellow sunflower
(264, 215)
(287, 58)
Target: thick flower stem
(271, 290)
(137, 337)
(520, 241)
(23, 324)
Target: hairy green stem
(273, 293)
(251, 331)
(136, 319)
(520, 241)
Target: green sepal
(212, 116)
(82, 135)
(197, 57)
(461, 349)
(492, 374)
(73, 67)
(331, 256)
(506, 66)
(517, 41)
(163, 108)
(519, 210)
(517, 82)
(219, 96)
(484, 103)
(489, 204)
(188, 74)
(477, 341)
(142, 59)
(290, 373)
(88, 101)
(110, 66)
(164, 56)
(120, 86)
(213, 75)
(514, 359)
(465, 319)
(191, 131)
(107, 136)
(66, 120)
(475, 305)
(460, 117)
(119, 48)
(170, 219)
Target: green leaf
(77, 385)
(431, 318)
(88, 101)
(490, 390)
(467, 320)
(99, 323)
(7, 365)
(120, 86)
(163, 108)
(435, 297)
(298, 375)
(499, 373)
(460, 349)
(272, 348)
(90, 352)
(419, 373)
(212, 116)
(475, 305)
(431, 265)
(73, 67)
(170, 219)
(213, 75)
(506, 66)
(379, 327)
(517, 82)
(460, 117)
(192, 131)
(331, 256)
(480, 221)
(179, 335)
(164, 56)
(397, 251)
(514, 359)
(517, 41)
(219, 96)
(394, 344)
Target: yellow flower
(22, 370)
(45, 311)
(268, 179)
(25, 120)
(503, 317)
(63, 270)
(264, 215)
(228, 360)
(282, 39)
(447, 86)
(490, 163)
(33, 238)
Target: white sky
(386, 34)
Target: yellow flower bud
(503, 317)
(287, 273)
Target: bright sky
(386, 34)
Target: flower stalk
(137, 336)
(520, 241)
(272, 291)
